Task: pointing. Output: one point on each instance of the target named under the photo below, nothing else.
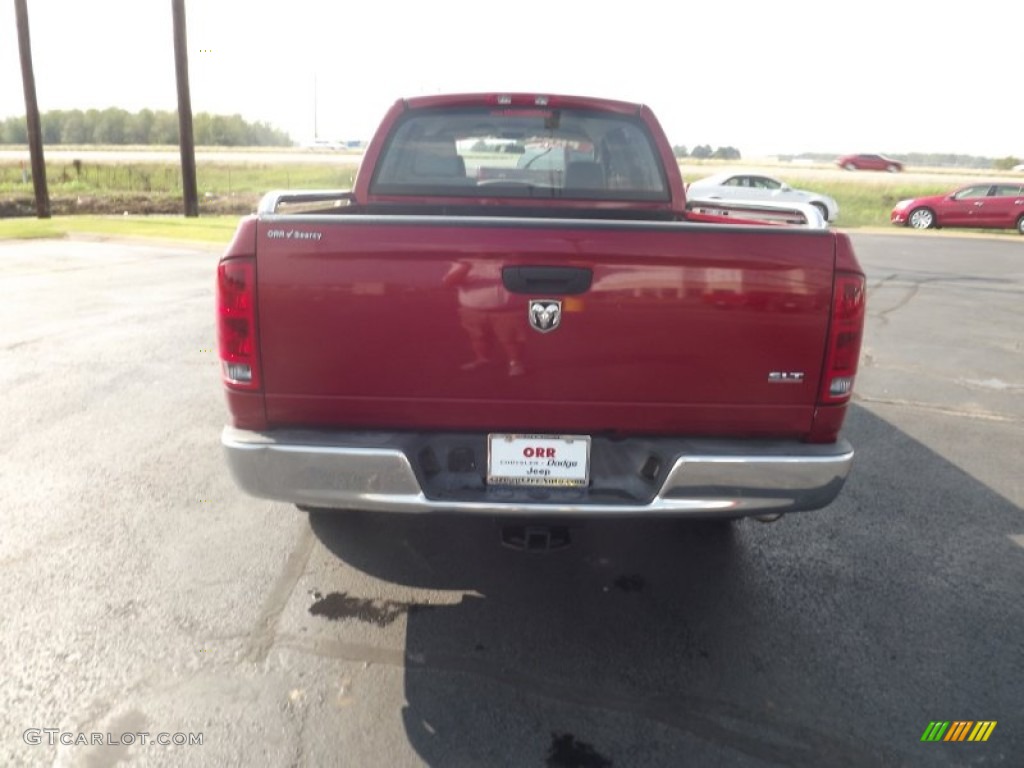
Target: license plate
(562, 460)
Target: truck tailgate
(391, 322)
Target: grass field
(211, 179)
(865, 199)
(867, 204)
(207, 229)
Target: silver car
(755, 187)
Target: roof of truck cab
(521, 100)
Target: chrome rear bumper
(372, 471)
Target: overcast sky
(767, 76)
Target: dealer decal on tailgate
(293, 234)
(538, 460)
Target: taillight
(236, 323)
(844, 338)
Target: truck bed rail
(793, 214)
(300, 201)
(798, 214)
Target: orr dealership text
(54, 736)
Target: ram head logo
(545, 314)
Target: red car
(869, 163)
(987, 204)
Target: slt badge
(545, 314)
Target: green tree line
(118, 126)
(704, 151)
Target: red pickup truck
(557, 344)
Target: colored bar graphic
(958, 730)
(982, 730)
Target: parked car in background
(869, 163)
(994, 205)
(755, 187)
(541, 164)
(555, 156)
(1019, 167)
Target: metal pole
(186, 138)
(35, 132)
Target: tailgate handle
(560, 280)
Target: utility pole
(185, 136)
(35, 132)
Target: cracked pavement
(143, 592)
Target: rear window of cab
(520, 153)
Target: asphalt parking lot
(143, 593)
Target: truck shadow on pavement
(827, 638)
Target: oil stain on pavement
(340, 605)
(568, 752)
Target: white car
(754, 187)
